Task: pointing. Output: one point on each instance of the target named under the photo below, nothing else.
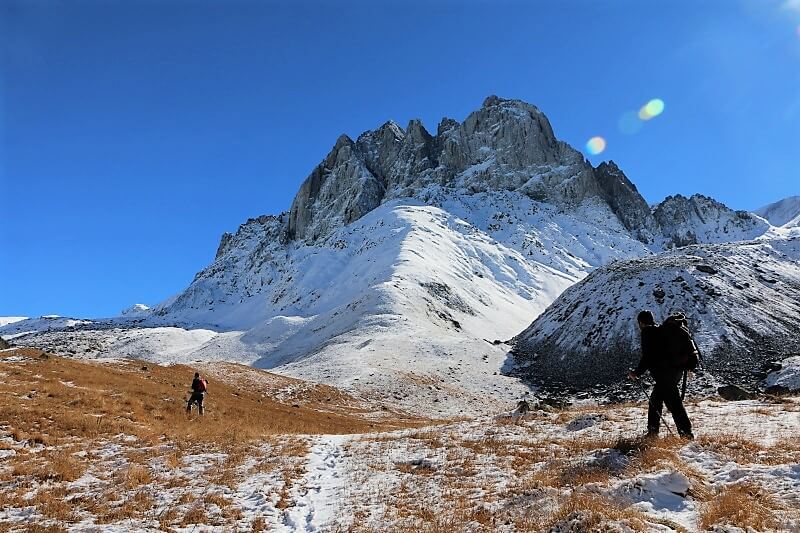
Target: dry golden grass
(109, 399)
(104, 402)
(168, 517)
(595, 509)
(217, 499)
(44, 528)
(135, 476)
(195, 515)
(258, 525)
(743, 505)
(744, 450)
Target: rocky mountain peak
(417, 131)
(505, 145)
(626, 202)
(445, 125)
(699, 219)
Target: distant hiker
(660, 358)
(199, 388)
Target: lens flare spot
(596, 145)
(651, 109)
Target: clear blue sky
(132, 134)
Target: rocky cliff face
(502, 170)
(506, 145)
(626, 202)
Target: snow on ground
(784, 212)
(6, 320)
(409, 304)
(317, 498)
(574, 469)
(540, 474)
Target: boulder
(734, 393)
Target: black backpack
(679, 345)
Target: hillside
(785, 212)
(107, 446)
(741, 300)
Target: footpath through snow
(317, 494)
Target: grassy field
(111, 441)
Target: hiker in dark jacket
(199, 388)
(666, 375)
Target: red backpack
(202, 385)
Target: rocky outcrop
(506, 145)
(340, 190)
(742, 300)
(700, 219)
(626, 202)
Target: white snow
(6, 320)
(136, 310)
(785, 212)
(318, 495)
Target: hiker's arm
(644, 362)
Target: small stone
(708, 269)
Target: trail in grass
(317, 494)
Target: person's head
(645, 318)
(197, 374)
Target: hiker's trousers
(197, 397)
(665, 392)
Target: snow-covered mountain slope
(742, 301)
(406, 255)
(784, 212)
(406, 302)
(136, 310)
(6, 320)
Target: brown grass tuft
(743, 505)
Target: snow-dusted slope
(742, 300)
(784, 212)
(6, 320)
(136, 310)
(408, 300)
(700, 219)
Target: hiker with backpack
(199, 389)
(668, 352)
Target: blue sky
(132, 134)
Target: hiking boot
(687, 436)
(650, 435)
